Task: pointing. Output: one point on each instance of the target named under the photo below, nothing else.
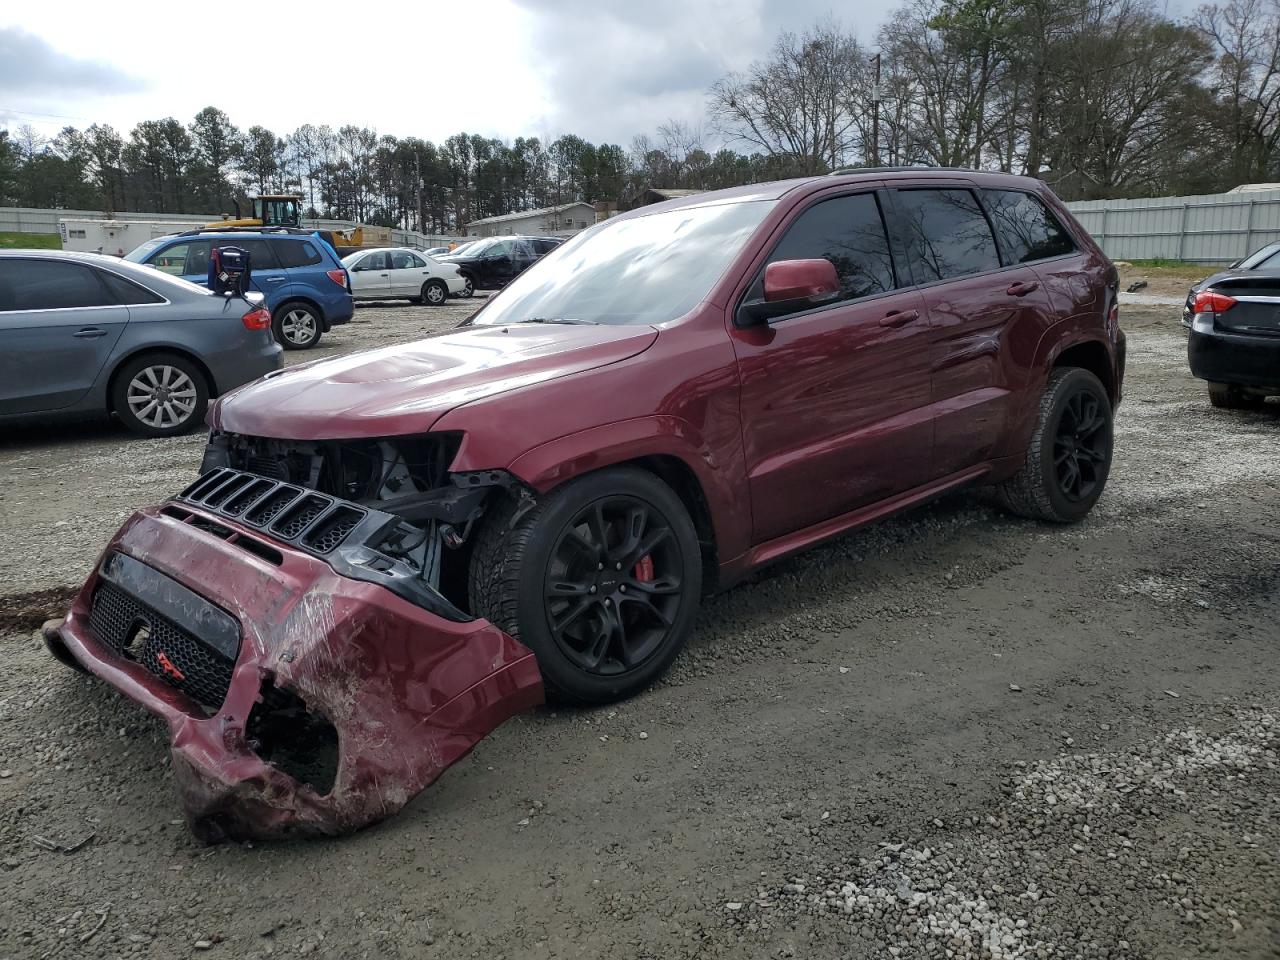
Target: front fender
(558, 461)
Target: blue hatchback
(308, 290)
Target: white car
(398, 273)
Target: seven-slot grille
(314, 521)
(139, 633)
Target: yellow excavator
(285, 210)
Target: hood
(406, 388)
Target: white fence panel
(1213, 228)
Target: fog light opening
(294, 739)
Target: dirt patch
(27, 611)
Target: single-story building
(566, 218)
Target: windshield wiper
(570, 320)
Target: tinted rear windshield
(648, 269)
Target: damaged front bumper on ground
(310, 684)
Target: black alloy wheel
(1081, 445)
(600, 578)
(613, 585)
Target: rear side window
(849, 232)
(261, 256)
(544, 246)
(404, 260)
(946, 234)
(126, 291)
(1028, 231)
(50, 285)
(296, 253)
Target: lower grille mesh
(138, 633)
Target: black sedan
(1264, 258)
(1234, 342)
(495, 261)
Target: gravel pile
(1033, 878)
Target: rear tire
(1069, 456)
(1227, 396)
(296, 325)
(434, 293)
(160, 395)
(601, 579)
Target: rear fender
(1055, 341)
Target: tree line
(1101, 98)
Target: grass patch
(1173, 269)
(29, 241)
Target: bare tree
(1245, 37)
(795, 103)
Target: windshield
(643, 270)
(142, 252)
(473, 248)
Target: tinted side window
(50, 285)
(183, 259)
(849, 232)
(295, 253)
(261, 256)
(544, 246)
(1028, 231)
(126, 291)
(946, 234)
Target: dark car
(1264, 258)
(1234, 341)
(397, 549)
(83, 335)
(495, 261)
(307, 288)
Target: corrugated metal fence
(37, 220)
(1215, 228)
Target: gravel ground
(953, 734)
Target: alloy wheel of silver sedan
(162, 397)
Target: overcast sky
(605, 70)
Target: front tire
(160, 395)
(1227, 396)
(1069, 456)
(601, 579)
(434, 293)
(469, 291)
(296, 325)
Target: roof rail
(908, 168)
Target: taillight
(339, 277)
(1207, 301)
(259, 319)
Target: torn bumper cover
(311, 684)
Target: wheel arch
(666, 447)
(1089, 354)
(146, 349)
(302, 298)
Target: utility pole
(417, 185)
(875, 114)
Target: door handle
(275, 279)
(382, 274)
(90, 333)
(1022, 289)
(899, 318)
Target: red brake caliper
(644, 569)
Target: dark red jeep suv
(388, 553)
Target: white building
(548, 221)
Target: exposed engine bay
(405, 477)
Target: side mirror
(789, 287)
